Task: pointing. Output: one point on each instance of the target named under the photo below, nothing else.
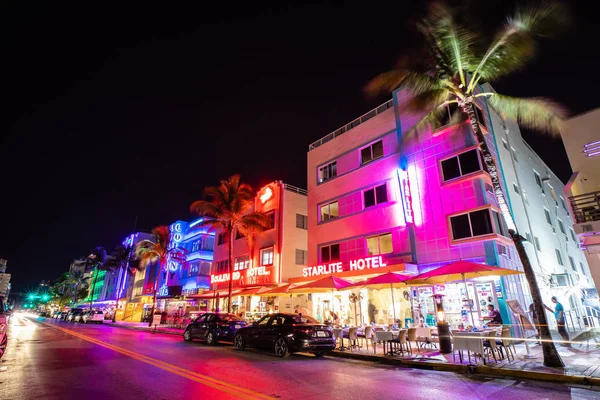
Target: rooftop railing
(365, 117)
(586, 207)
(295, 189)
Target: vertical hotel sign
(406, 195)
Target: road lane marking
(229, 388)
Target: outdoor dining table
(472, 341)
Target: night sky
(115, 110)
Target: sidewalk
(582, 366)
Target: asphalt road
(59, 360)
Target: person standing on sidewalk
(559, 314)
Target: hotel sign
(359, 264)
(406, 195)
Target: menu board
(516, 308)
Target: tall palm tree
(231, 209)
(456, 61)
(77, 280)
(122, 259)
(97, 262)
(157, 250)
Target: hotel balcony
(586, 218)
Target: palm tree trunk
(551, 356)
(93, 288)
(154, 296)
(230, 254)
(118, 292)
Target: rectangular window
(204, 268)
(573, 267)
(446, 119)
(222, 266)
(514, 154)
(301, 221)
(193, 268)
(241, 263)
(195, 245)
(561, 226)
(582, 268)
(222, 238)
(301, 256)
(537, 243)
(480, 118)
(538, 179)
(516, 188)
(266, 256)
(329, 211)
(461, 164)
(381, 244)
(327, 172)
(376, 195)
(371, 152)
(564, 205)
(208, 243)
(573, 235)
(505, 144)
(548, 219)
(271, 216)
(330, 253)
(559, 257)
(528, 236)
(238, 234)
(476, 223)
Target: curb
(144, 329)
(473, 370)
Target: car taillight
(2, 327)
(307, 331)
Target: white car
(3, 328)
(93, 316)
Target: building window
(505, 144)
(330, 253)
(195, 245)
(271, 216)
(301, 221)
(536, 240)
(480, 118)
(222, 266)
(301, 256)
(476, 223)
(582, 268)
(204, 268)
(538, 179)
(380, 244)
(376, 195)
(573, 267)
(222, 238)
(447, 117)
(241, 263)
(564, 205)
(208, 243)
(514, 154)
(329, 211)
(461, 164)
(559, 257)
(238, 234)
(266, 256)
(328, 172)
(548, 219)
(193, 268)
(516, 188)
(573, 235)
(561, 226)
(371, 152)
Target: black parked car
(213, 327)
(285, 334)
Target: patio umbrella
(323, 285)
(460, 271)
(384, 281)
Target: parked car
(286, 333)
(93, 316)
(3, 327)
(75, 315)
(213, 327)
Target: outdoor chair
(508, 345)
(353, 338)
(491, 347)
(369, 337)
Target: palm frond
(536, 113)
(427, 100)
(431, 121)
(388, 81)
(254, 222)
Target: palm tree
(231, 209)
(157, 250)
(456, 62)
(77, 280)
(97, 262)
(123, 259)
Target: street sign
(156, 319)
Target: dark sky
(116, 110)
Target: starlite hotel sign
(358, 264)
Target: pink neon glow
(593, 154)
(413, 178)
(592, 144)
(405, 192)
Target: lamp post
(442, 325)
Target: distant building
(582, 142)
(4, 279)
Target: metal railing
(295, 189)
(582, 318)
(586, 207)
(365, 117)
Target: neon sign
(354, 265)
(163, 291)
(266, 195)
(406, 195)
(237, 275)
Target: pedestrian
(494, 316)
(559, 314)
